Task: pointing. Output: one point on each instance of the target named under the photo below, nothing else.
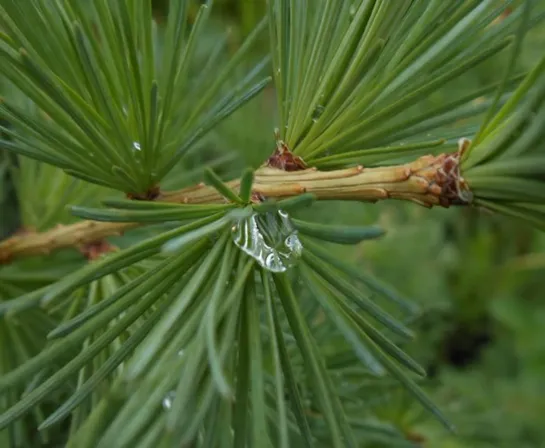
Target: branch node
(382, 192)
(257, 197)
(454, 187)
(150, 195)
(95, 249)
(283, 159)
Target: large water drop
(270, 238)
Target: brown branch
(428, 181)
(76, 235)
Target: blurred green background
(477, 277)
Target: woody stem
(428, 181)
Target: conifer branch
(428, 181)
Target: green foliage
(358, 67)
(112, 81)
(237, 324)
(505, 164)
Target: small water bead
(168, 400)
(352, 12)
(136, 146)
(293, 243)
(318, 111)
(274, 263)
(270, 238)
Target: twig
(428, 181)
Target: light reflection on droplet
(168, 400)
(270, 238)
(293, 243)
(274, 263)
(136, 146)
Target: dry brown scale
(95, 249)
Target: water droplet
(278, 71)
(181, 352)
(318, 111)
(136, 146)
(270, 238)
(293, 243)
(168, 400)
(274, 263)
